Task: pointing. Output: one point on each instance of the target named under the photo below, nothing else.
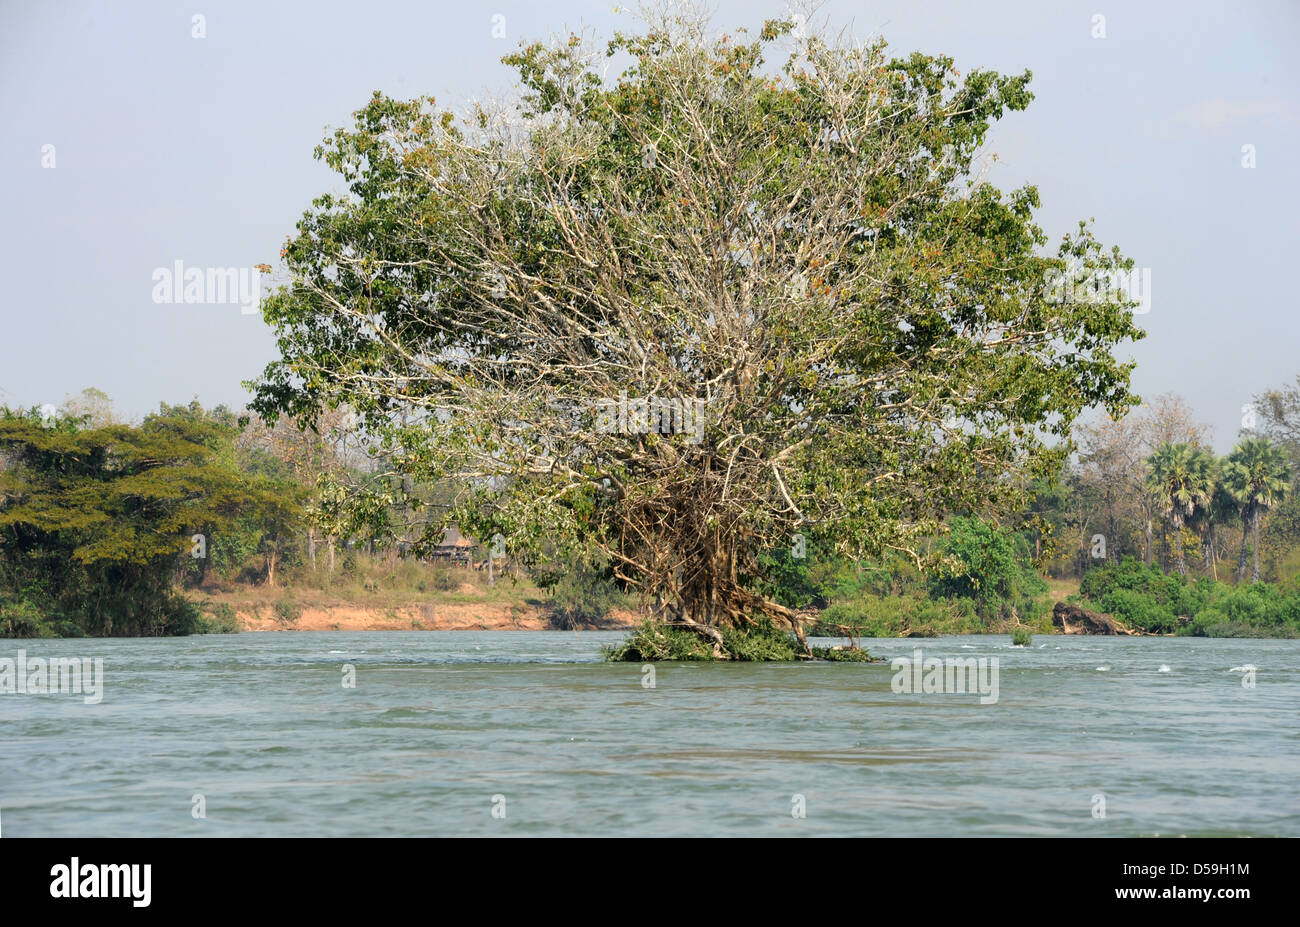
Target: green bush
(892, 615)
(582, 598)
(21, 618)
(764, 643)
(989, 567)
(1139, 611)
(287, 610)
(582, 590)
(654, 642)
(1147, 599)
(845, 655)
(221, 619)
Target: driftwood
(1072, 619)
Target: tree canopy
(807, 254)
(93, 521)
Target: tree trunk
(331, 540)
(1254, 530)
(710, 633)
(270, 568)
(1180, 559)
(1245, 543)
(1164, 543)
(311, 547)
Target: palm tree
(1181, 478)
(1209, 515)
(1221, 510)
(1257, 476)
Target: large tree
(94, 521)
(809, 252)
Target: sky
(131, 142)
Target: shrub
(287, 610)
(582, 589)
(1138, 610)
(845, 655)
(988, 566)
(221, 619)
(442, 580)
(21, 618)
(653, 643)
(1150, 600)
(764, 642)
(582, 597)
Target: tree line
(1149, 486)
(104, 525)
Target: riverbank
(468, 608)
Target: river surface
(529, 733)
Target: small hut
(455, 548)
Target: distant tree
(1181, 478)
(93, 521)
(1278, 419)
(1278, 414)
(1111, 468)
(1211, 516)
(983, 562)
(302, 455)
(92, 408)
(1258, 476)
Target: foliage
(21, 617)
(582, 590)
(1147, 599)
(987, 565)
(896, 615)
(220, 619)
(94, 523)
(808, 248)
(287, 610)
(1181, 478)
(656, 642)
(1257, 476)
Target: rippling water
(439, 723)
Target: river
(529, 733)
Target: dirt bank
(439, 617)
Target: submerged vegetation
(654, 642)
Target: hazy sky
(173, 148)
